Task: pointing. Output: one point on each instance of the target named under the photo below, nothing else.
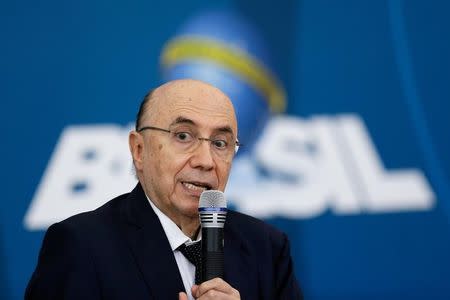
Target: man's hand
(215, 288)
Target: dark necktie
(193, 253)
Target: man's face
(172, 176)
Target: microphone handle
(212, 253)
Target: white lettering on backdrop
(298, 169)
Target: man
(130, 248)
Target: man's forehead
(191, 92)
(192, 100)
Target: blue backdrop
(359, 158)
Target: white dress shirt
(177, 238)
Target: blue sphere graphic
(223, 49)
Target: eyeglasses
(186, 139)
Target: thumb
(182, 296)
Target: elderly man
(131, 247)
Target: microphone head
(212, 198)
(212, 209)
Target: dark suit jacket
(120, 251)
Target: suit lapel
(240, 269)
(150, 247)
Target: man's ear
(136, 144)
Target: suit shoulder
(101, 216)
(252, 226)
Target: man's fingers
(215, 295)
(215, 285)
(194, 290)
(182, 296)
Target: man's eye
(183, 136)
(220, 144)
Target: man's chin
(191, 212)
(189, 207)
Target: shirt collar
(174, 234)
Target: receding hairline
(153, 93)
(143, 107)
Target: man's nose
(202, 156)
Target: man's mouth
(196, 186)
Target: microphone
(212, 211)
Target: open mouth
(196, 186)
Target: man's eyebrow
(182, 120)
(225, 129)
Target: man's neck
(189, 226)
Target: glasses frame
(237, 145)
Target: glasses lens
(185, 140)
